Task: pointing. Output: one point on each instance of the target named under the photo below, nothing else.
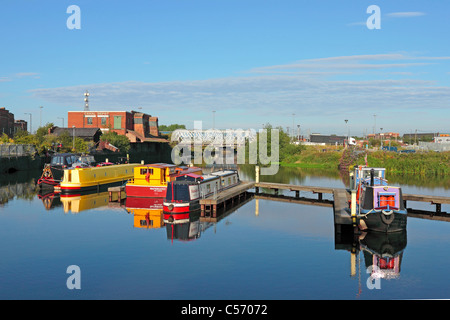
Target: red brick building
(6, 122)
(137, 126)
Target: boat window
(55, 160)
(144, 171)
(69, 160)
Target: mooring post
(257, 178)
(353, 208)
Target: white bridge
(230, 138)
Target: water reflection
(147, 212)
(383, 253)
(19, 185)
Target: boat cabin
(364, 175)
(63, 160)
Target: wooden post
(257, 174)
(353, 264)
(353, 208)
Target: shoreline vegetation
(436, 163)
(342, 159)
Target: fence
(431, 146)
(16, 150)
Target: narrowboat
(53, 172)
(95, 179)
(151, 180)
(379, 206)
(184, 194)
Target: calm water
(262, 250)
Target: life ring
(387, 217)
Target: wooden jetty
(293, 187)
(117, 193)
(232, 195)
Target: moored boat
(151, 180)
(379, 206)
(95, 179)
(184, 194)
(53, 172)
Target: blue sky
(253, 62)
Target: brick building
(137, 126)
(6, 122)
(20, 125)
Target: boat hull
(143, 191)
(95, 179)
(179, 212)
(380, 222)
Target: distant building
(384, 135)
(6, 122)
(325, 139)
(137, 126)
(20, 125)
(413, 137)
(442, 138)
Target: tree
(171, 127)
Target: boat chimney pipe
(372, 173)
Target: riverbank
(437, 163)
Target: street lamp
(31, 128)
(73, 143)
(62, 121)
(348, 133)
(293, 130)
(214, 119)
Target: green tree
(171, 127)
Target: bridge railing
(16, 150)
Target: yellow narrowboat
(151, 180)
(90, 179)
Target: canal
(262, 250)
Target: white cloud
(405, 14)
(271, 95)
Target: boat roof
(157, 165)
(189, 177)
(209, 177)
(223, 172)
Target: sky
(312, 64)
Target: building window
(89, 120)
(103, 121)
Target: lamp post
(346, 123)
(214, 119)
(31, 128)
(293, 130)
(62, 121)
(73, 141)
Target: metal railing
(16, 150)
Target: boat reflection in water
(383, 253)
(76, 204)
(188, 230)
(147, 212)
(50, 200)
